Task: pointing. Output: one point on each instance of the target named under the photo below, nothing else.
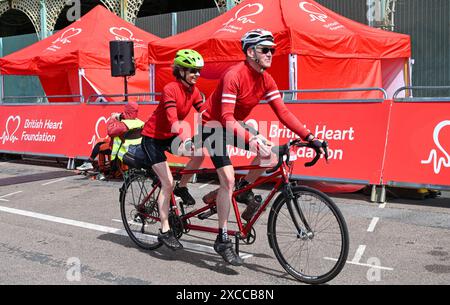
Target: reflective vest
(119, 148)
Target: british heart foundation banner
(356, 133)
(37, 129)
(418, 147)
(69, 130)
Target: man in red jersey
(240, 89)
(164, 131)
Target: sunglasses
(193, 70)
(266, 50)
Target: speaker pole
(125, 83)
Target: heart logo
(102, 127)
(12, 125)
(433, 157)
(123, 33)
(314, 12)
(64, 38)
(246, 11)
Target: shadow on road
(209, 261)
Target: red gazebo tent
(76, 60)
(316, 48)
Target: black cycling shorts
(155, 148)
(216, 140)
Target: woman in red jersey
(164, 132)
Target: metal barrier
(101, 98)
(399, 125)
(417, 144)
(290, 95)
(92, 99)
(420, 99)
(388, 127)
(41, 99)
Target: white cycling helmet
(257, 37)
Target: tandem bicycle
(305, 228)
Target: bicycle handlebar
(283, 150)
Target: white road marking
(10, 194)
(65, 221)
(199, 247)
(359, 253)
(372, 225)
(206, 184)
(54, 181)
(91, 226)
(360, 264)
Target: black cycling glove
(316, 143)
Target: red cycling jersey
(176, 102)
(239, 91)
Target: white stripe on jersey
(274, 97)
(229, 101)
(272, 93)
(229, 95)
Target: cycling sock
(223, 235)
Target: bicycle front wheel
(315, 250)
(139, 210)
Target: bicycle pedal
(207, 214)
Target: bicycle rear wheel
(139, 210)
(317, 252)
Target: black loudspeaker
(122, 58)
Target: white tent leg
(293, 74)
(80, 83)
(410, 72)
(151, 71)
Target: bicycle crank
(250, 238)
(176, 224)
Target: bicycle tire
(284, 237)
(141, 224)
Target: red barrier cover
(64, 130)
(355, 132)
(418, 147)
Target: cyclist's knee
(227, 183)
(166, 183)
(226, 177)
